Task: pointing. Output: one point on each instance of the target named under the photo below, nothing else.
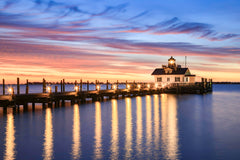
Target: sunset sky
(117, 40)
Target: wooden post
(44, 85)
(107, 85)
(3, 86)
(56, 89)
(33, 106)
(63, 85)
(18, 86)
(27, 87)
(96, 85)
(87, 85)
(4, 110)
(134, 84)
(75, 83)
(211, 83)
(81, 84)
(205, 83)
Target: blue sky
(113, 39)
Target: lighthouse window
(159, 79)
(177, 79)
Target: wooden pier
(48, 97)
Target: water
(164, 126)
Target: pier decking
(111, 91)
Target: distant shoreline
(72, 83)
(226, 82)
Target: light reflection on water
(10, 138)
(139, 126)
(76, 146)
(128, 130)
(146, 141)
(114, 132)
(98, 131)
(148, 123)
(48, 136)
(156, 125)
(161, 126)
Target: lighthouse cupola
(171, 62)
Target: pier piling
(56, 89)
(107, 85)
(3, 84)
(27, 87)
(81, 84)
(63, 85)
(44, 86)
(18, 86)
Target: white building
(173, 74)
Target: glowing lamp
(76, 88)
(98, 87)
(49, 89)
(10, 90)
(148, 85)
(139, 86)
(114, 87)
(171, 62)
(128, 86)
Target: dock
(48, 97)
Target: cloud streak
(175, 26)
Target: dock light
(148, 85)
(139, 86)
(114, 87)
(76, 88)
(156, 85)
(128, 86)
(10, 90)
(49, 89)
(98, 87)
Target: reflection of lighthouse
(10, 138)
(169, 126)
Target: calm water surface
(164, 126)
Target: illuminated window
(177, 79)
(159, 79)
(168, 79)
